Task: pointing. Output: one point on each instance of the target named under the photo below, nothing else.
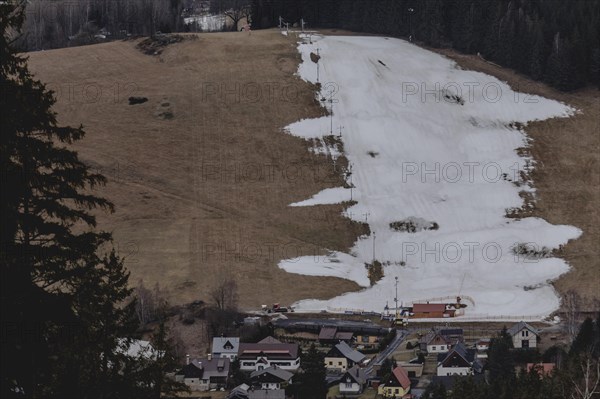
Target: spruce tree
(62, 304)
(43, 198)
(311, 384)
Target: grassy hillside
(201, 174)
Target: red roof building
(429, 310)
(543, 369)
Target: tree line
(555, 41)
(63, 23)
(52, 24)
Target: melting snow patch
(446, 145)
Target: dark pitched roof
(268, 347)
(191, 371)
(355, 374)
(216, 367)
(269, 340)
(434, 337)
(515, 328)
(344, 336)
(239, 392)
(344, 350)
(271, 374)
(451, 331)
(327, 333)
(459, 355)
(206, 369)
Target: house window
(331, 363)
(339, 363)
(364, 339)
(397, 391)
(433, 348)
(348, 385)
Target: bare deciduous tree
(236, 10)
(571, 306)
(149, 303)
(225, 294)
(586, 387)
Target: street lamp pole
(410, 12)
(396, 298)
(374, 247)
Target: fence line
(470, 317)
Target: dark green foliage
(385, 371)
(587, 340)
(66, 308)
(553, 40)
(310, 383)
(435, 391)
(236, 376)
(387, 339)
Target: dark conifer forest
(555, 41)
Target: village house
(353, 381)
(225, 347)
(482, 347)
(397, 386)
(523, 335)
(459, 361)
(440, 341)
(271, 378)
(434, 342)
(367, 340)
(331, 336)
(268, 353)
(453, 334)
(432, 311)
(414, 368)
(204, 374)
(483, 344)
(342, 357)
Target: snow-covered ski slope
(429, 142)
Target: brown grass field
(203, 194)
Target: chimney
(187, 359)
(209, 357)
